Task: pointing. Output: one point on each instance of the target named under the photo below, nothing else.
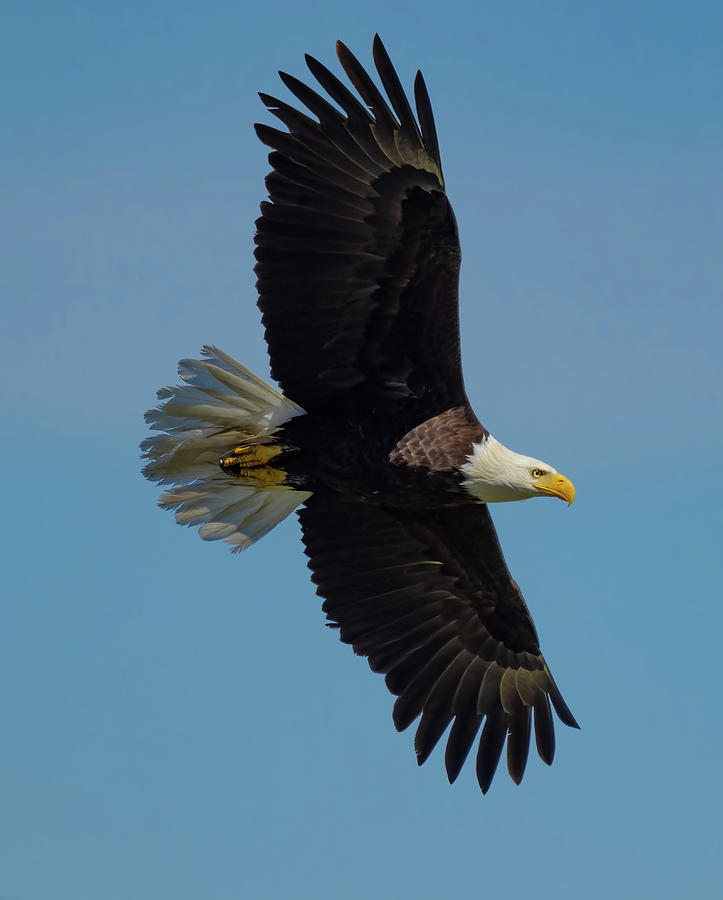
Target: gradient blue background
(177, 722)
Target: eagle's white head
(494, 474)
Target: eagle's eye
(537, 473)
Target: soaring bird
(372, 434)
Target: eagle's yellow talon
(266, 475)
(251, 456)
(250, 463)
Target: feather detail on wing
(357, 252)
(427, 597)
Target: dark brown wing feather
(357, 252)
(427, 597)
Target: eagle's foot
(251, 463)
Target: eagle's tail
(220, 409)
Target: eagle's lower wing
(358, 254)
(427, 597)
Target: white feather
(220, 405)
(495, 474)
(232, 511)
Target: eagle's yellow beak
(556, 485)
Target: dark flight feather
(438, 707)
(544, 729)
(426, 121)
(396, 94)
(518, 742)
(490, 747)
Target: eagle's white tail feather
(221, 404)
(227, 509)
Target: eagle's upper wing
(358, 254)
(427, 597)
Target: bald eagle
(373, 436)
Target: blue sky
(177, 721)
